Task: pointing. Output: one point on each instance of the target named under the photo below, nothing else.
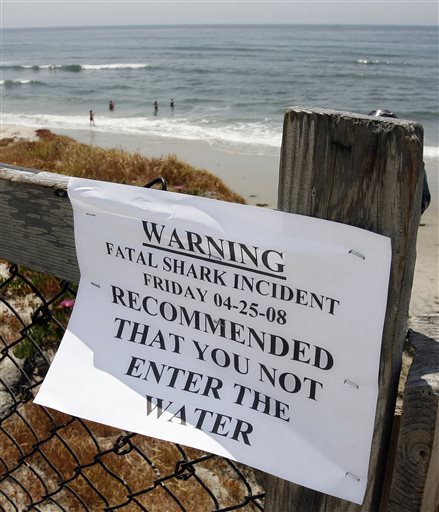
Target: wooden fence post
(366, 172)
(414, 485)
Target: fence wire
(50, 461)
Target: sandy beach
(255, 177)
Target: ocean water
(230, 84)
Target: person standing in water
(92, 118)
(111, 105)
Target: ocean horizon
(230, 84)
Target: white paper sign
(246, 332)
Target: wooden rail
(37, 222)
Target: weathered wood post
(414, 486)
(365, 172)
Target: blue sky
(36, 13)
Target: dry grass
(56, 445)
(55, 153)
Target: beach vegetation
(64, 155)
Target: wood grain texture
(415, 482)
(366, 172)
(37, 222)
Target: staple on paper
(353, 384)
(356, 253)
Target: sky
(58, 13)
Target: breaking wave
(373, 61)
(431, 151)
(98, 67)
(75, 67)
(12, 83)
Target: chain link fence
(50, 461)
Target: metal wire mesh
(50, 461)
